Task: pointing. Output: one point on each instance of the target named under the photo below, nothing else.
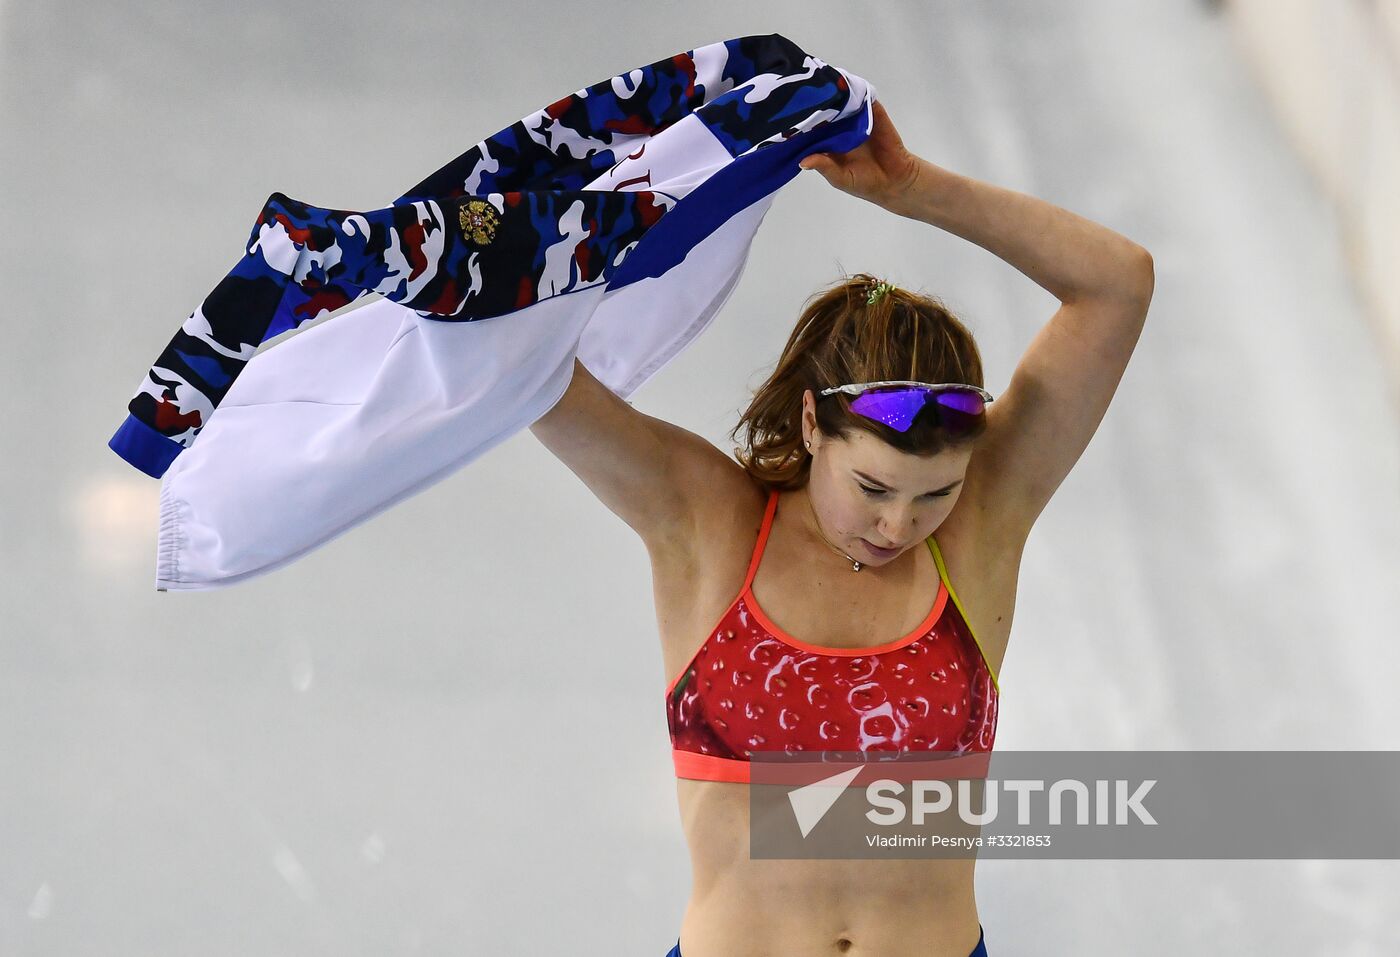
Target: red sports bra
(751, 687)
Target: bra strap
(948, 586)
(762, 537)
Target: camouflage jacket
(610, 225)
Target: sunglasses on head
(960, 407)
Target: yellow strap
(943, 574)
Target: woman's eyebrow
(874, 481)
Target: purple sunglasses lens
(962, 400)
(897, 408)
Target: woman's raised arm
(1061, 388)
(650, 473)
(1041, 424)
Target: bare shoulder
(982, 544)
(660, 479)
(718, 501)
(698, 562)
(982, 521)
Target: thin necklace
(855, 565)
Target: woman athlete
(820, 529)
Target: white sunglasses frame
(858, 388)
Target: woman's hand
(879, 170)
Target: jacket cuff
(144, 447)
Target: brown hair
(839, 338)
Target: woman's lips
(879, 552)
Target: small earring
(809, 444)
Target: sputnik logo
(811, 801)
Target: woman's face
(867, 493)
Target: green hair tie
(877, 292)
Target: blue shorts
(979, 951)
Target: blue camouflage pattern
(506, 224)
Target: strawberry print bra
(751, 687)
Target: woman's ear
(809, 417)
